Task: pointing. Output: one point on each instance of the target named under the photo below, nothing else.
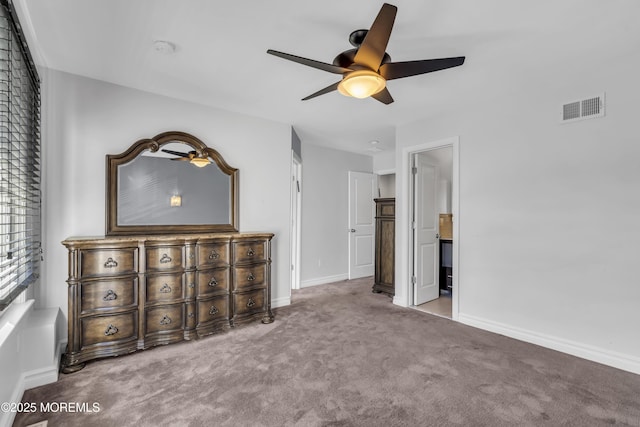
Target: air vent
(589, 108)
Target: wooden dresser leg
(73, 368)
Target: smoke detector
(164, 47)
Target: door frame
(296, 216)
(404, 231)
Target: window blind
(20, 198)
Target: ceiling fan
(366, 69)
(191, 157)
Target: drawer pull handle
(251, 277)
(191, 256)
(111, 330)
(213, 310)
(191, 315)
(110, 296)
(165, 289)
(250, 252)
(192, 285)
(251, 303)
(165, 320)
(110, 263)
(213, 282)
(165, 259)
(214, 255)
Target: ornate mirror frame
(154, 144)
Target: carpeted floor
(343, 356)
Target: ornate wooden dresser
(133, 292)
(384, 276)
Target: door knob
(353, 230)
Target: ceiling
(221, 61)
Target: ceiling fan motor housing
(346, 59)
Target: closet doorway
(433, 184)
(296, 214)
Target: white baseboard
(46, 375)
(7, 418)
(323, 280)
(280, 302)
(595, 354)
(29, 380)
(39, 377)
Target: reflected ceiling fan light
(200, 161)
(361, 84)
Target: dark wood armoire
(385, 246)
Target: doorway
(430, 186)
(296, 212)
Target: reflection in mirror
(171, 183)
(166, 188)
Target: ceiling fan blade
(398, 70)
(383, 96)
(176, 153)
(310, 62)
(323, 91)
(371, 51)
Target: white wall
(549, 212)
(325, 194)
(387, 185)
(384, 162)
(84, 120)
(443, 158)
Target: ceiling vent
(589, 108)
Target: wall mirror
(171, 183)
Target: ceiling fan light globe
(200, 162)
(361, 84)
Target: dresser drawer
(213, 309)
(250, 251)
(164, 318)
(108, 294)
(163, 257)
(249, 302)
(98, 329)
(108, 262)
(164, 287)
(210, 282)
(249, 276)
(213, 255)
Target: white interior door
(426, 223)
(361, 224)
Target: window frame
(20, 186)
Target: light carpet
(341, 355)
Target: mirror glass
(157, 187)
